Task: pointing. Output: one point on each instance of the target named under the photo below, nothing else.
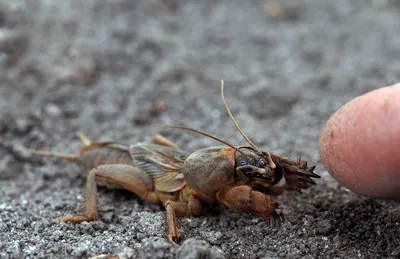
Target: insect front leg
(244, 199)
(125, 176)
(178, 208)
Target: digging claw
(277, 216)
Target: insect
(242, 177)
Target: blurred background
(118, 70)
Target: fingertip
(360, 144)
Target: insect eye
(261, 163)
(243, 162)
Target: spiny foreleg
(243, 198)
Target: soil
(118, 70)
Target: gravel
(118, 70)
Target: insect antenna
(233, 119)
(271, 163)
(205, 134)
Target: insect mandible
(242, 177)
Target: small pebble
(53, 110)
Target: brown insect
(242, 178)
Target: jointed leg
(180, 209)
(90, 201)
(125, 176)
(243, 198)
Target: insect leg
(90, 201)
(243, 198)
(180, 209)
(161, 140)
(125, 176)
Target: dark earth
(118, 70)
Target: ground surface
(107, 68)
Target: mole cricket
(242, 177)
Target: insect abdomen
(96, 156)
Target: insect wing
(163, 164)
